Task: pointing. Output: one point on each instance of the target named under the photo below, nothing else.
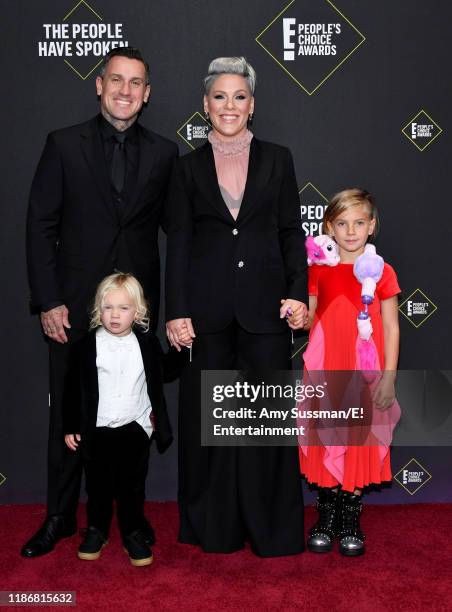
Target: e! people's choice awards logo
(81, 39)
(421, 130)
(312, 208)
(310, 41)
(194, 131)
(412, 476)
(417, 308)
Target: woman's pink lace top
(231, 163)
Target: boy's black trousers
(116, 469)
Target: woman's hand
(180, 332)
(72, 441)
(296, 313)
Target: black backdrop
(344, 131)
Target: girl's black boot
(322, 534)
(351, 538)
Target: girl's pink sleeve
(388, 285)
(313, 279)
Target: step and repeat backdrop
(359, 90)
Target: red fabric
(338, 304)
(406, 568)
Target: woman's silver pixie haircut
(230, 65)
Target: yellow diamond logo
(412, 476)
(300, 349)
(83, 12)
(417, 308)
(310, 41)
(421, 130)
(81, 38)
(194, 131)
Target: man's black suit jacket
(75, 236)
(81, 390)
(219, 268)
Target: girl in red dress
(342, 471)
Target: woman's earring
(206, 115)
(250, 119)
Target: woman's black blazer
(219, 268)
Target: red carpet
(407, 566)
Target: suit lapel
(93, 152)
(147, 158)
(206, 178)
(259, 171)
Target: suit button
(235, 231)
(241, 264)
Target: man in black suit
(95, 206)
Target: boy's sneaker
(92, 544)
(139, 552)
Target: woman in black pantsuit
(236, 266)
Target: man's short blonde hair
(120, 280)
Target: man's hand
(54, 322)
(296, 313)
(72, 441)
(180, 332)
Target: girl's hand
(384, 394)
(72, 441)
(296, 313)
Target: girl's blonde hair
(119, 280)
(347, 198)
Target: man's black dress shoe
(148, 532)
(53, 529)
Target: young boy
(113, 405)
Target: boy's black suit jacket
(81, 393)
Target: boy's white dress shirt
(123, 395)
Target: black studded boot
(322, 534)
(351, 538)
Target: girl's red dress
(338, 304)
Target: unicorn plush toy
(322, 250)
(368, 269)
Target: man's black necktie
(119, 162)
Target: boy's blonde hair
(347, 198)
(120, 280)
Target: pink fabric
(383, 421)
(314, 358)
(366, 355)
(231, 163)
